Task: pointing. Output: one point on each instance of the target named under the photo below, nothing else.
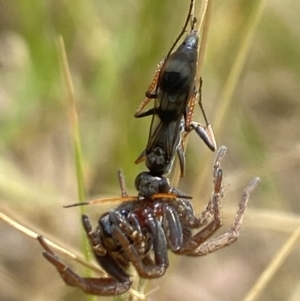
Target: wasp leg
(150, 93)
(181, 158)
(141, 157)
(145, 113)
(190, 18)
(205, 133)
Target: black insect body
(164, 141)
(174, 90)
(175, 93)
(140, 231)
(151, 186)
(173, 82)
(176, 82)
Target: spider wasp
(174, 91)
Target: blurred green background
(113, 48)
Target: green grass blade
(74, 125)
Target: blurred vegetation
(113, 48)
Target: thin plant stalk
(273, 267)
(203, 26)
(74, 125)
(23, 229)
(228, 90)
(63, 251)
(78, 164)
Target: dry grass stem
(273, 267)
(56, 247)
(203, 27)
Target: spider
(140, 231)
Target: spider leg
(94, 286)
(199, 245)
(212, 226)
(159, 247)
(93, 236)
(159, 244)
(121, 179)
(232, 234)
(208, 213)
(133, 232)
(208, 246)
(173, 228)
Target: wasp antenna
(190, 17)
